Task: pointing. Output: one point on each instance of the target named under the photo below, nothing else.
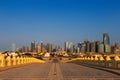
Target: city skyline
(97, 46)
(23, 21)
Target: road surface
(56, 70)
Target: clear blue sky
(57, 21)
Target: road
(56, 70)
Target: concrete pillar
(101, 61)
(2, 60)
(101, 58)
(91, 60)
(81, 60)
(85, 60)
(116, 58)
(14, 60)
(29, 60)
(108, 58)
(22, 60)
(108, 62)
(96, 60)
(88, 60)
(26, 59)
(9, 61)
(18, 60)
(116, 62)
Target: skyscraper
(33, 46)
(71, 47)
(106, 39)
(42, 47)
(49, 47)
(88, 46)
(93, 46)
(107, 48)
(101, 48)
(38, 48)
(79, 45)
(83, 48)
(66, 46)
(13, 47)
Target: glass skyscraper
(106, 39)
(66, 46)
(32, 46)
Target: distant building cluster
(98, 46)
(69, 47)
(83, 47)
(37, 47)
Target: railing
(16, 60)
(106, 61)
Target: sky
(57, 21)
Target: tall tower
(33, 46)
(71, 47)
(66, 46)
(106, 39)
(42, 46)
(38, 48)
(49, 47)
(13, 47)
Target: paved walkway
(56, 70)
(112, 70)
(72, 71)
(34, 71)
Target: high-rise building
(88, 46)
(78, 50)
(83, 48)
(49, 47)
(107, 48)
(79, 45)
(97, 45)
(55, 48)
(23, 49)
(100, 48)
(13, 47)
(33, 46)
(29, 48)
(116, 49)
(38, 48)
(66, 46)
(71, 47)
(42, 47)
(19, 49)
(106, 39)
(93, 47)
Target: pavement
(77, 72)
(111, 70)
(55, 70)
